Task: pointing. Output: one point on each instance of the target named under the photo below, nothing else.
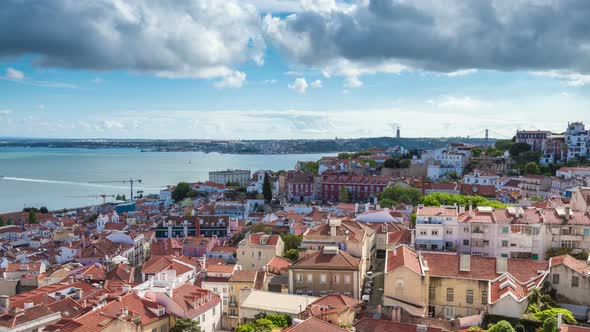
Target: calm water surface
(58, 178)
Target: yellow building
(448, 285)
(241, 279)
(256, 250)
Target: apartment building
(330, 270)
(449, 285)
(241, 176)
(352, 237)
(570, 278)
(240, 280)
(256, 250)
(535, 185)
(360, 188)
(577, 139)
(535, 138)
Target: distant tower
(397, 133)
(487, 137)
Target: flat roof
(277, 302)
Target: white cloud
(293, 73)
(352, 71)
(464, 103)
(41, 107)
(316, 84)
(234, 80)
(300, 85)
(570, 78)
(112, 124)
(461, 72)
(270, 82)
(5, 112)
(97, 80)
(14, 74)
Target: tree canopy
(181, 191)
(501, 326)
(518, 148)
(399, 194)
(185, 325)
(438, 199)
(532, 168)
(266, 188)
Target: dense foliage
(266, 188)
(501, 326)
(185, 325)
(438, 199)
(265, 323)
(399, 194)
(181, 191)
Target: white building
(258, 183)
(481, 177)
(241, 176)
(577, 139)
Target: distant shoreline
(245, 147)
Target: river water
(62, 178)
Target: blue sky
(288, 69)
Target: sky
(283, 69)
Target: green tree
(43, 209)
(391, 163)
(566, 315)
(291, 241)
(399, 194)
(386, 203)
(501, 326)
(118, 197)
(1, 221)
(476, 152)
(258, 228)
(532, 168)
(344, 155)
(503, 144)
(279, 320)
(312, 166)
(518, 148)
(550, 325)
(180, 192)
(343, 194)
(32, 216)
(292, 254)
(185, 325)
(266, 189)
(453, 176)
(259, 325)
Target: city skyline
(271, 69)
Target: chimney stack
(4, 303)
(471, 210)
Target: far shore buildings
(241, 176)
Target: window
(323, 278)
(213, 311)
(299, 277)
(505, 230)
(434, 232)
(575, 281)
(484, 296)
(336, 278)
(299, 292)
(243, 253)
(504, 243)
(422, 232)
(164, 328)
(224, 289)
(465, 242)
(309, 278)
(347, 279)
(586, 232)
(450, 294)
(432, 293)
(232, 288)
(449, 231)
(215, 289)
(203, 317)
(556, 279)
(154, 330)
(469, 296)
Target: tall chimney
(471, 210)
(4, 303)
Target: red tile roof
(403, 256)
(314, 324)
(373, 325)
(340, 260)
(13, 320)
(256, 238)
(332, 303)
(579, 266)
(190, 299)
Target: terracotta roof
(256, 238)
(278, 263)
(331, 303)
(180, 264)
(403, 236)
(403, 256)
(37, 296)
(226, 249)
(23, 267)
(12, 320)
(68, 308)
(479, 190)
(579, 266)
(187, 296)
(373, 325)
(571, 328)
(218, 266)
(244, 276)
(122, 272)
(431, 211)
(481, 268)
(339, 260)
(314, 324)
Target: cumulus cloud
(234, 80)
(454, 37)
(570, 78)
(316, 84)
(13, 74)
(299, 84)
(201, 38)
(5, 112)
